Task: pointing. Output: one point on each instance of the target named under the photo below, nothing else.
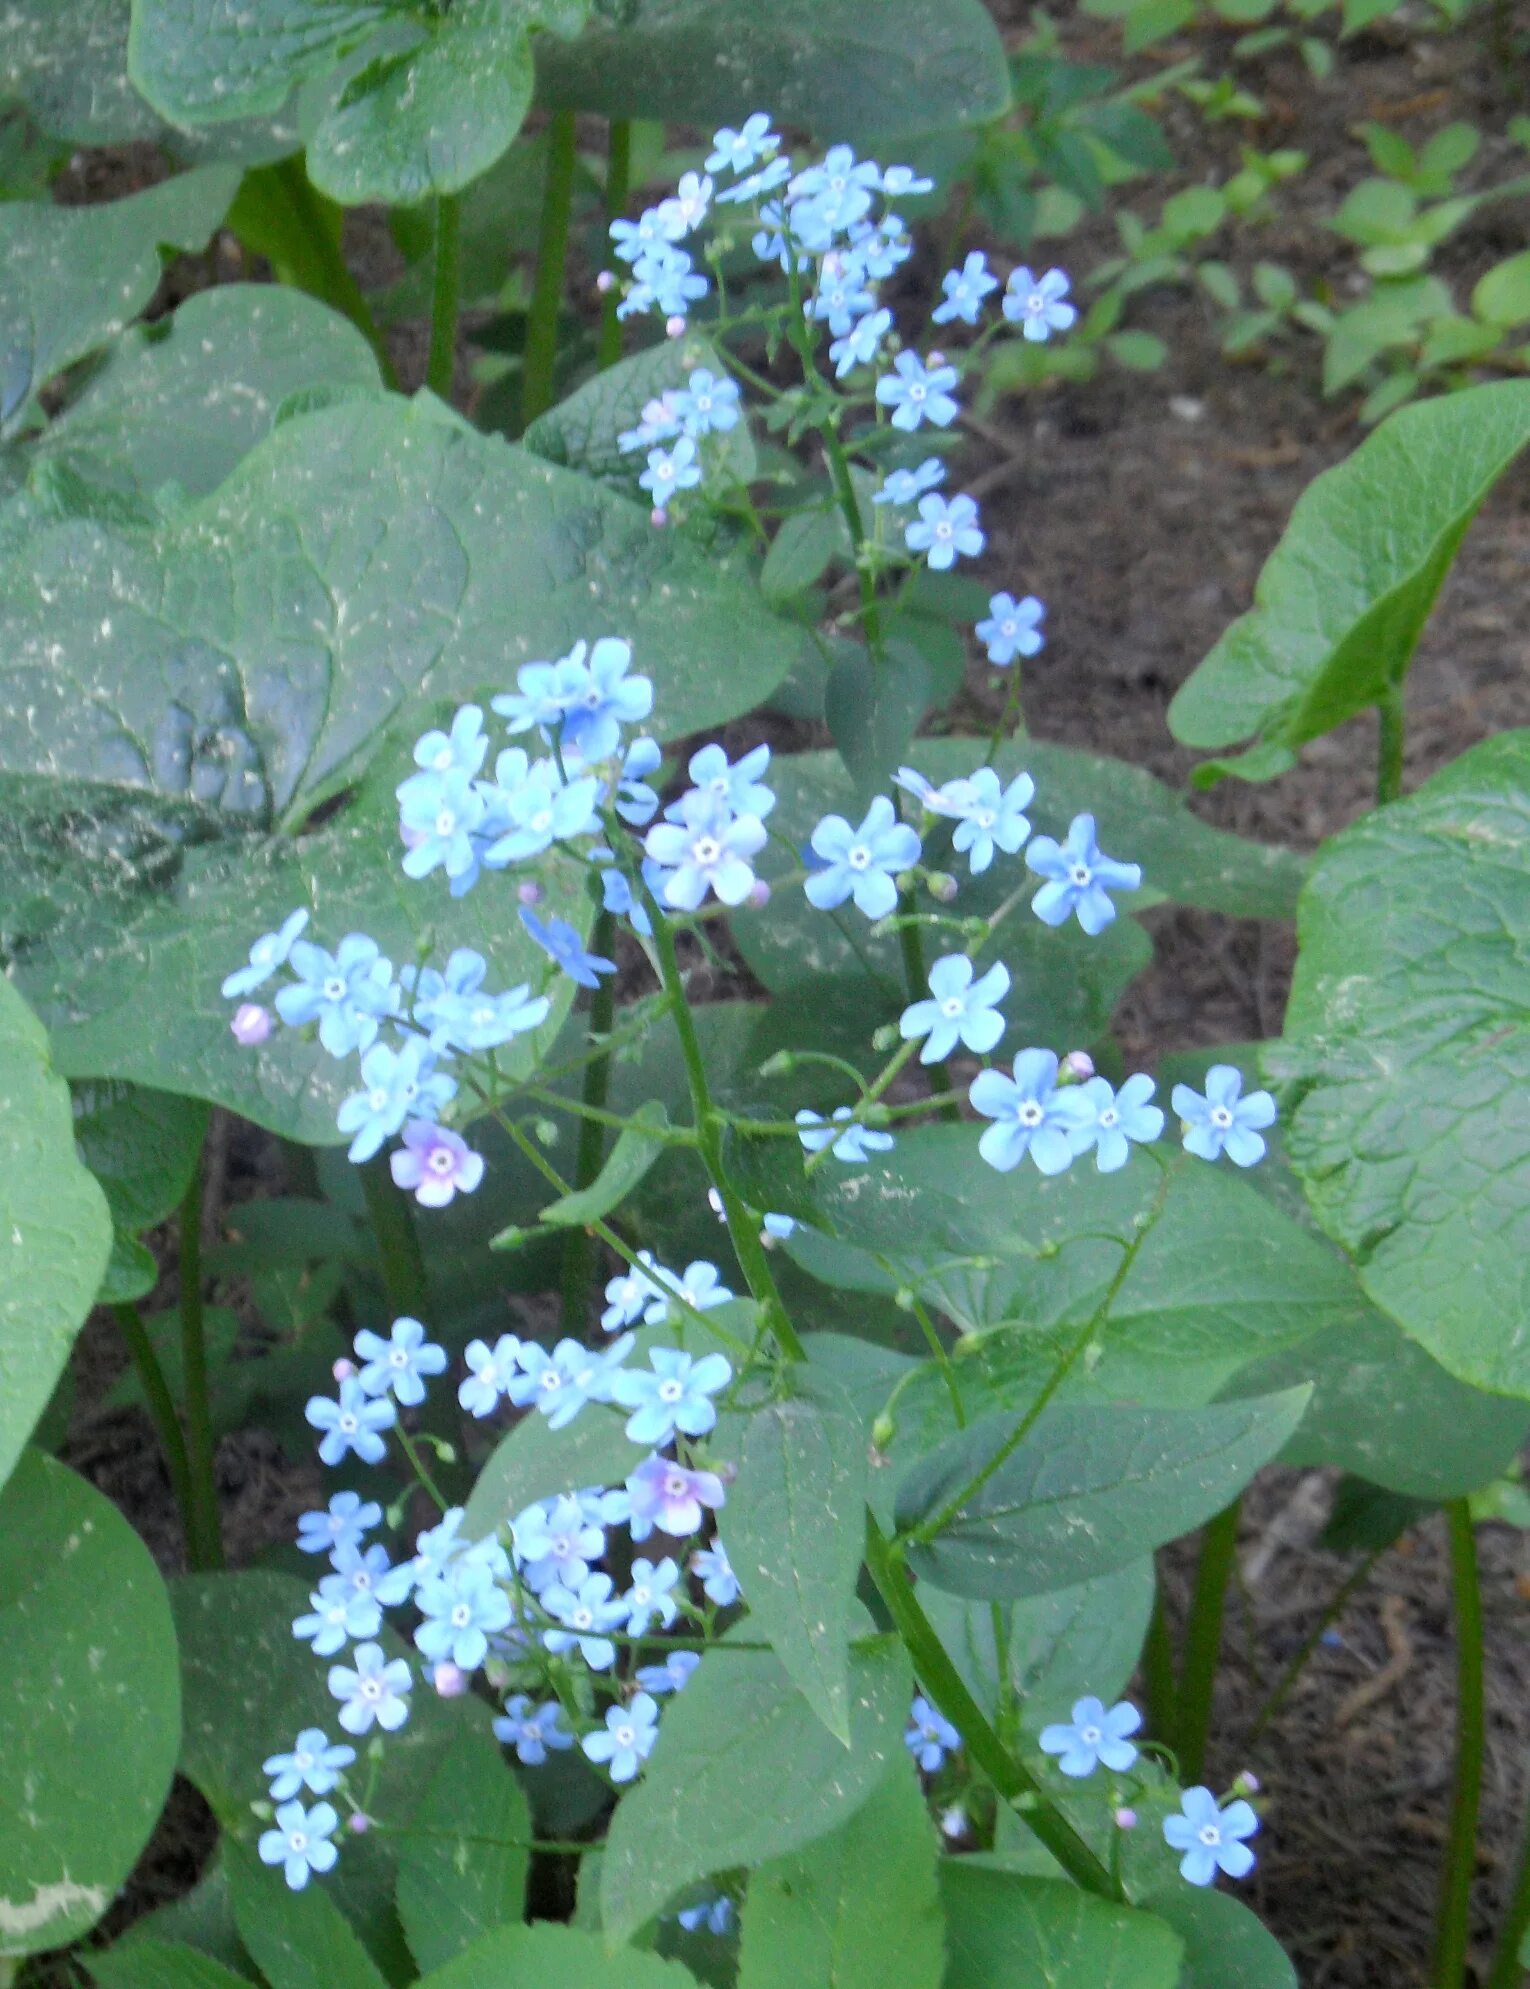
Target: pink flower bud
(530, 893)
(450, 1680)
(658, 515)
(674, 328)
(343, 1369)
(359, 1824)
(1126, 1819)
(759, 894)
(937, 359)
(251, 1024)
(605, 282)
(1079, 1064)
(943, 887)
(1247, 1783)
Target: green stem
(1293, 1671)
(1461, 1844)
(398, 1245)
(1508, 1971)
(578, 1265)
(1203, 1640)
(167, 1423)
(618, 186)
(1158, 1668)
(309, 259)
(205, 1542)
(941, 1680)
(911, 951)
(441, 366)
(419, 1467)
(1389, 761)
(552, 252)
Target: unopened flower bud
(936, 358)
(1246, 1783)
(343, 1369)
(251, 1024)
(1126, 1819)
(674, 327)
(658, 515)
(903, 1298)
(450, 1681)
(545, 1132)
(759, 895)
(605, 282)
(359, 1824)
(953, 1822)
(1078, 1065)
(530, 893)
(883, 1430)
(715, 1204)
(943, 886)
(885, 1038)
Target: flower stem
(1158, 1667)
(441, 365)
(552, 252)
(1203, 1640)
(1461, 1845)
(162, 1409)
(277, 214)
(1389, 762)
(1508, 1971)
(618, 186)
(398, 1246)
(578, 1264)
(204, 1536)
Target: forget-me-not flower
(396, 1085)
(917, 393)
(859, 344)
(670, 470)
(945, 529)
(400, 1363)
(1035, 304)
(671, 1676)
(667, 1496)
(1093, 1735)
(354, 1423)
(706, 405)
(991, 816)
(861, 863)
(965, 289)
(699, 1289)
(651, 1597)
(434, 1164)
(268, 953)
(584, 1613)
(372, 1688)
(736, 151)
(844, 1134)
(1080, 878)
(960, 1009)
(337, 1615)
(531, 1730)
(558, 939)
(630, 1293)
(686, 208)
(462, 1608)
(739, 784)
(439, 816)
(465, 746)
(555, 1542)
(712, 1567)
(314, 1764)
(347, 992)
(1115, 1118)
(1224, 1121)
(706, 847)
(1030, 1114)
(1211, 1837)
(343, 1523)
(676, 1394)
(627, 1739)
(930, 1736)
(300, 1841)
(906, 486)
(490, 1373)
(560, 1383)
(1012, 628)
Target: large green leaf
(76, 275)
(54, 1219)
(90, 1707)
(794, 1527)
(141, 1146)
(463, 1872)
(1406, 1039)
(857, 1909)
(534, 1461)
(845, 70)
(1226, 1946)
(1085, 1490)
(1343, 599)
(739, 1736)
(581, 432)
(554, 1957)
(301, 1940)
(1004, 1927)
(151, 1964)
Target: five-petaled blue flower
(670, 470)
(490, 1373)
(558, 939)
(1030, 1114)
(584, 1612)
(719, 1583)
(905, 486)
(560, 1383)
(736, 151)
(861, 863)
(945, 529)
(1116, 1117)
(1210, 1837)
(627, 1738)
(858, 346)
(1035, 304)
(299, 1843)
(372, 1688)
(671, 1676)
(960, 1009)
(707, 405)
(1093, 1735)
(439, 815)
(917, 393)
(462, 1608)
(739, 784)
(397, 1085)
(314, 1764)
(965, 289)
(465, 746)
(268, 953)
(706, 848)
(1223, 1121)
(354, 1423)
(400, 1363)
(555, 1542)
(668, 1496)
(930, 1736)
(699, 1289)
(651, 1597)
(847, 1137)
(343, 1523)
(346, 992)
(675, 1395)
(990, 816)
(531, 1730)
(338, 1614)
(1012, 628)
(1079, 877)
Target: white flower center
(985, 818)
(625, 1736)
(1035, 303)
(1030, 1113)
(541, 822)
(1209, 1835)
(551, 1381)
(398, 1357)
(302, 1761)
(371, 1688)
(1221, 1117)
(461, 1616)
(1110, 1116)
(297, 1840)
(1090, 1736)
(706, 850)
(675, 1487)
(583, 1618)
(951, 1006)
(670, 1391)
(859, 857)
(944, 529)
(440, 1161)
(334, 988)
(446, 822)
(348, 1425)
(1080, 874)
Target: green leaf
(536, 1462)
(1086, 1490)
(90, 1681)
(54, 1219)
(554, 1957)
(581, 432)
(300, 1940)
(844, 70)
(76, 275)
(638, 1145)
(1405, 1037)
(148, 1964)
(858, 1909)
(1342, 601)
(802, 552)
(464, 1874)
(872, 710)
(141, 1146)
(1004, 1927)
(1226, 1946)
(794, 1527)
(201, 63)
(1502, 296)
(738, 1735)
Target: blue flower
(841, 297)
(558, 939)
(490, 1373)
(965, 290)
(400, 1363)
(1030, 1114)
(629, 1293)
(1079, 878)
(542, 808)
(439, 815)
(462, 1608)
(313, 1764)
(666, 1495)
(736, 151)
(464, 747)
(719, 1583)
(665, 280)
(337, 1615)
(268, 953)
(774, 173)
(397, 1085)
(961, 1009)
(706, 848)
(651, 1597)
(343, 1523)
(636, 801)
(346, 992)
(905, 486)
(738, 785)
(434, 1164)
(899, 180)
(555, 1542)
(1222, 1121)
(364, 1569)
(854, 1144)
(628, 1737)
(1036, 304)
(707, 405)
(917, 393)
(670, 470)
(701, 1289)
(1210, 1837)
(531, 1730)
(991, 817)
(686, 208)
(861, 863)
(372, 1689)
(945, 529)
(632, 240)
(836, 191)
(1013, 628)
(585, 1611)
(300, 1842)
(354, 1423)
(675, 1395)
(560, 1383)
(715, 1916)
(671, 1676)
(585, 703)
(778, 1226)
(1093, 1735)
(469, 1020)
(881, 248)
(1116, 1117)
(930, 1736)
(859, 344)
